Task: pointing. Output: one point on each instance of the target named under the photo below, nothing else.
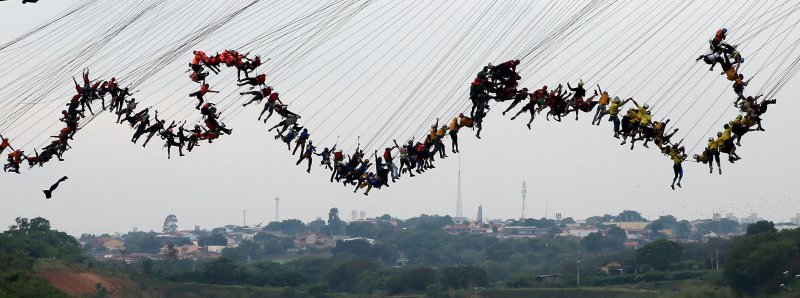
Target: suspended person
(273, 102)
(302, 138)
(289, 118)
(141, 127)
(678, 155)
(519, 97)
(730, 71)
(533, 105)
(711, 59)
(172, 140)
(387, 156)
(4, 144)
(204, 89)
(14, 159)
(209, 111)
(198, 77)
(477, 94)
(118, 100)
(713, 154)
(719, 37)
(48, 193)
(256, 81)
(199, 56)
(153, 129)
(130, 106)
(326, 157)
(213, 62)
(405, 160)
(453, 131)
(338, 164)
(725, 140)
(257, 95)
(289, 136)
(738, 88)
(582, 105)
(307, 153)
(602, 105)
(579, 91)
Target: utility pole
(524, 195)
(579, 272)
(277, 217)
(459, 202)
(244, 218)
(717, 259)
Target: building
(460, 220)
(465, 229)
(362, 215)
(353, 215)
(368, 240)
(525, 232)
(753, 218)
(215, 248)
(796, 219)
(612, 268)
(628, 225)
(480, 215)
(581, 232)
(113, 244)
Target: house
(217, 249)
(165, 239)
(465, 229)
(368, 240)
(314, 239)
(631, 244)
(625, 225)
(113, 244)
(525, 232)
(612, 268)
(182, 250)
(581, 232)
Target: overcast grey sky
(574, 168)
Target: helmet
(516, 61)
(545, 87)
(646, 106)
(460, 115)
(724, 30)
(711, 139)
(580, 82)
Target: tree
(317, 225)
(221, 271)
(213, 239)
(630, 216)
(335, 226)
(755, 264)
(592, 242)
(659, 254)
(170, 224)
(568, 221)
(761, 226)
(293, 227)
(172, 253)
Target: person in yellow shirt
(713, 154)
(454, 127)
(439, 141)
(678, 156)
(725, 140)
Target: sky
(570, 167)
